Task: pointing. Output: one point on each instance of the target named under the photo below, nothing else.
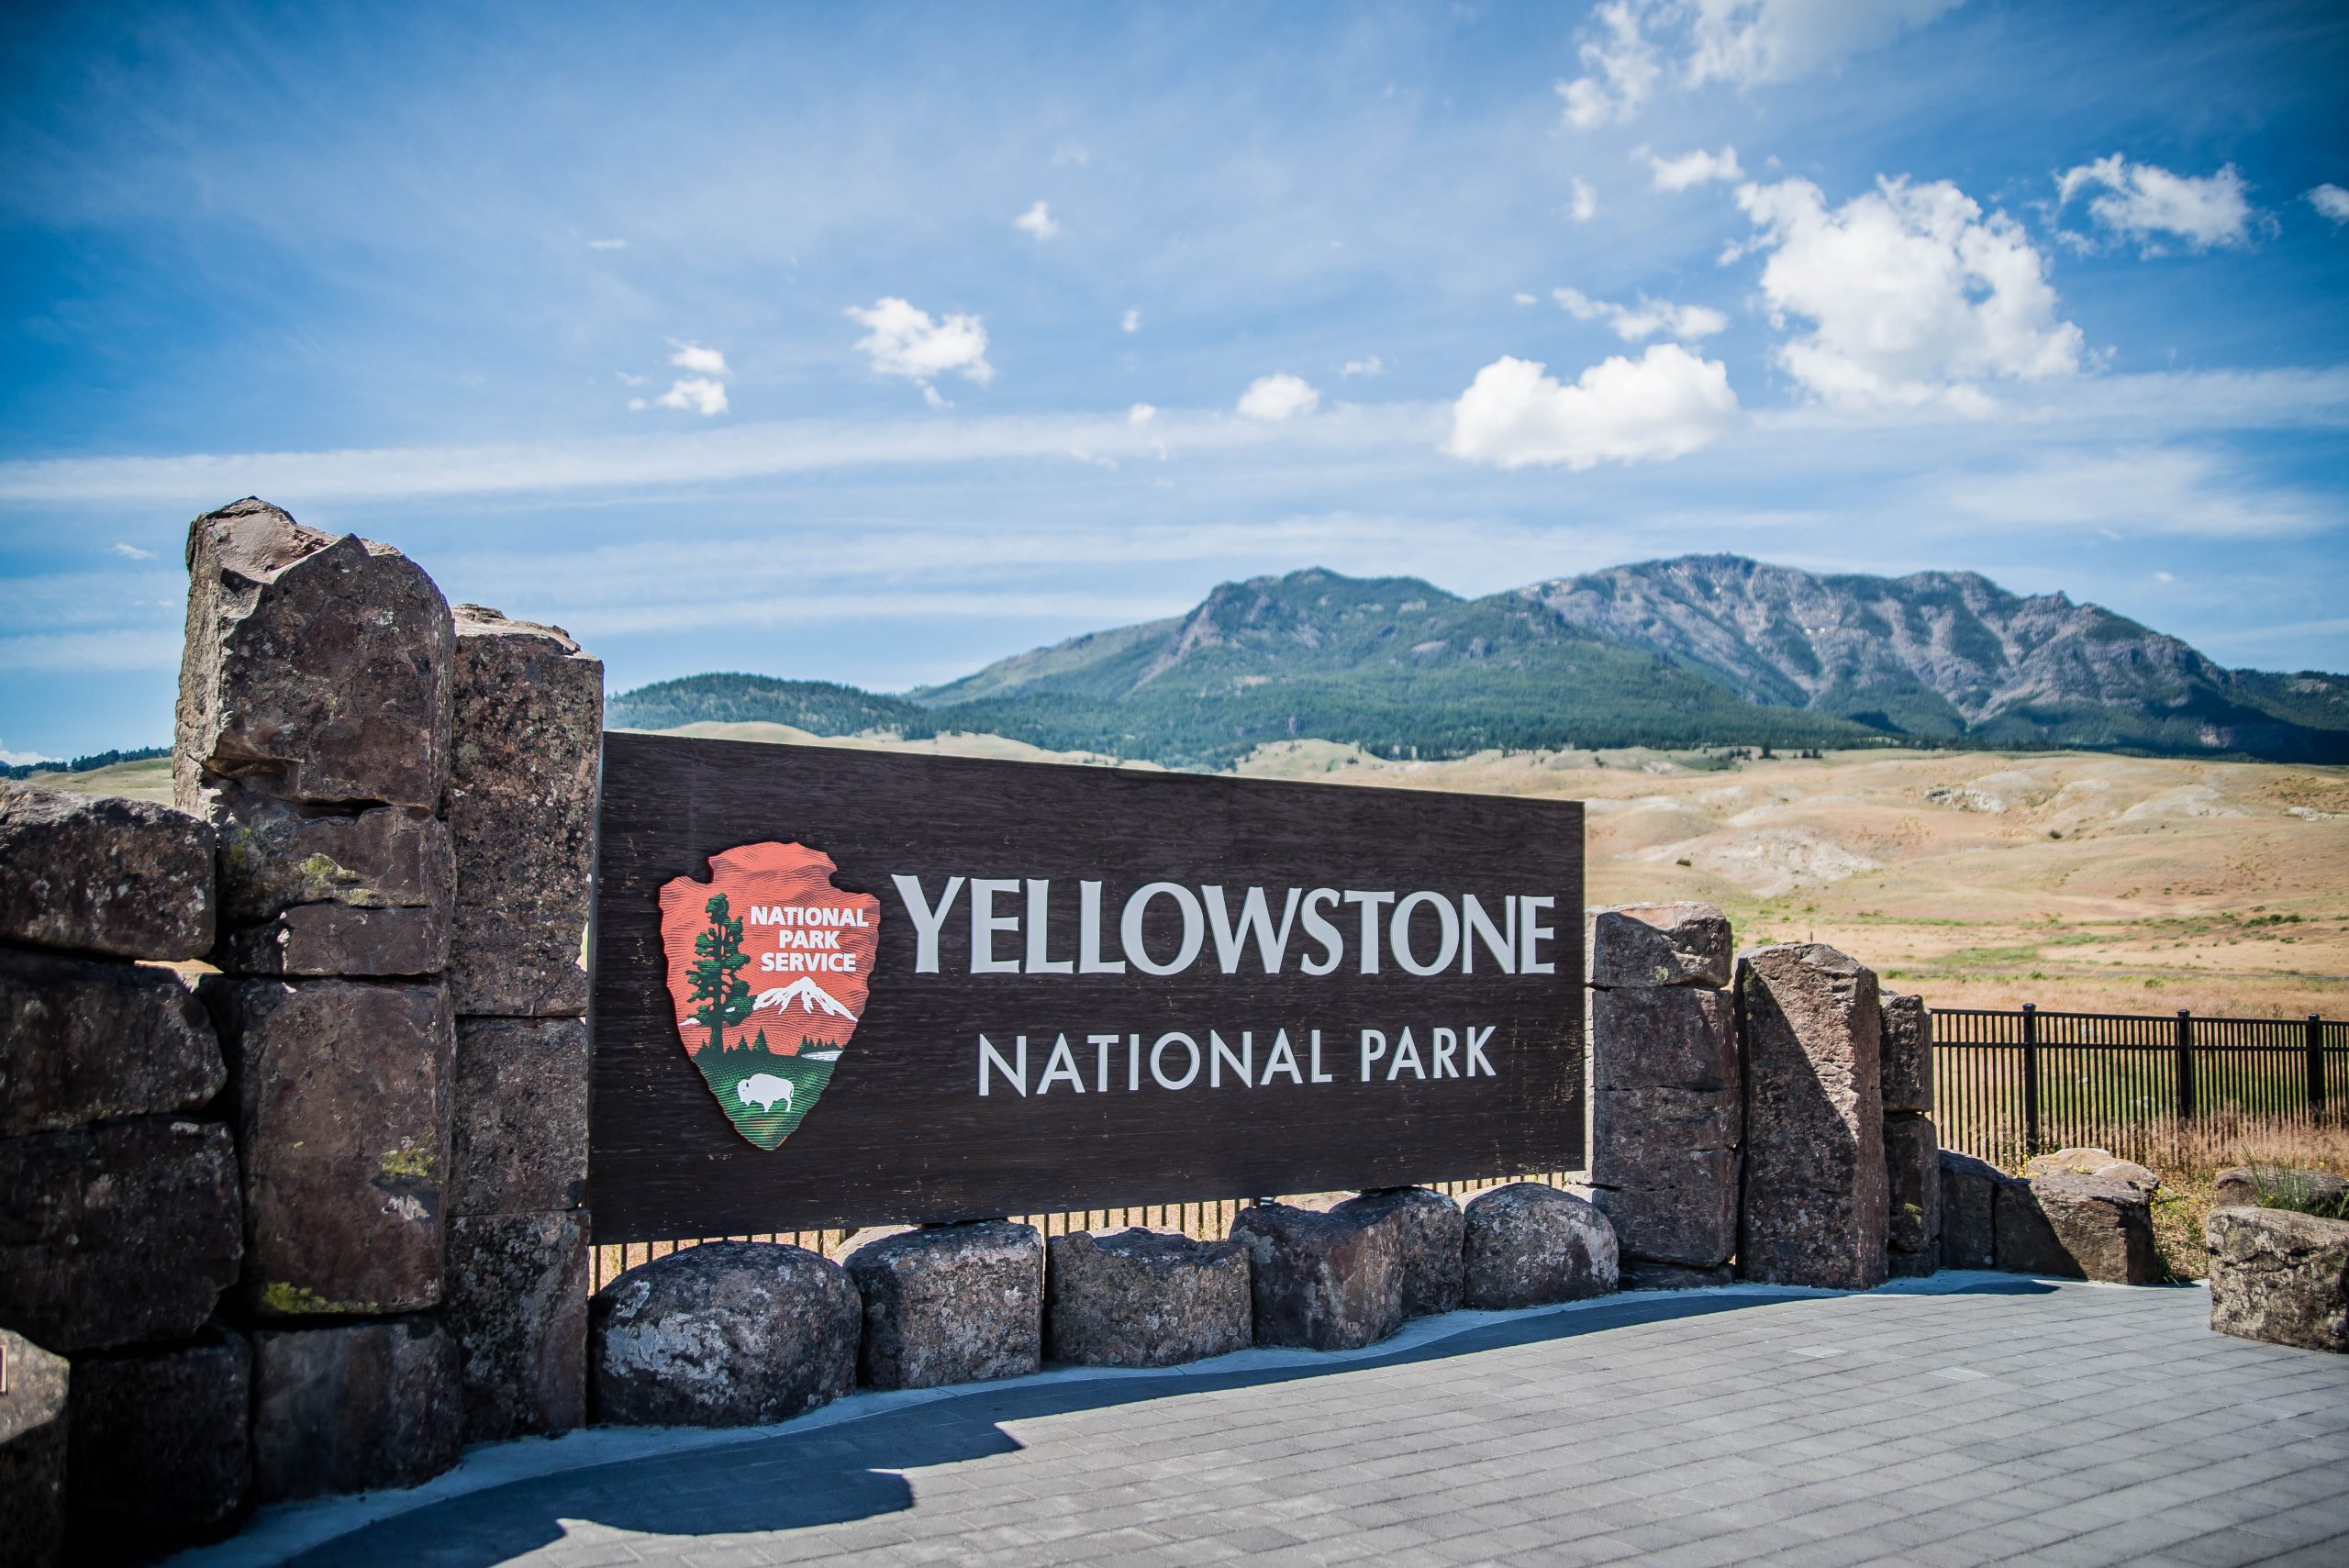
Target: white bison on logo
(763, 1090)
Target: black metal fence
(2010, 1083)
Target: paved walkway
(1970, 1419)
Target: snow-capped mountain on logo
(767, 1045)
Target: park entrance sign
(836, 986)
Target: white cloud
(2149, 490)
(1695, 169)
(697, 393)
(2149, 204)
(24, 759)
(131, 552)
(1585, 202)
(1277, 397)
(1749, 41)
(1130, 321)
(1620, 69)
(1646, 319)
(1911, 294)
(700, 361)
(904, 341)
(1141, 414)
(2163, 578)
(1665, 403)
(628, 379)
(1521, 298)
(608, 244)
(2331, 201)
(1037, 220)
(1373, 365)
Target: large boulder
(1531, 1245)
(2072, 1227)
(86, 1041)
(2100, 1164)
(2280, 1276)
(102, 874)
(516, 1305)
(1969, 1211)
(343, 1128)
(1433, 1232)
(1327, 1281)
(1816, 1196)
(1908, 1055)
(1914, 1179)
(725, 1334)
(161, 1446)
(1144, 1298)
(353, 1407)
(2260, 1186)
(112, 1234)
(1639, 945)
(951, 1304)
(520, 1143)
(316, 669)
(33, 1441)
(528, 740)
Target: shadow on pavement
(834, 1475)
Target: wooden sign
(842, 987)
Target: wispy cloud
(608, 244)
(131, 552)
(1694, 168)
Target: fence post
(2184, 1066)
(2316, 1064)
(2030, 1079)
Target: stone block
(2100, 1164)
(726, 1334)
(2257, 1187)
(102, 874)
(33, 1441)
(1144, 1298)
(516, 1305)
(951, 1304)
(1643, 1137)
(1529, 1245)
(82, 1041)
(520, 1144)
(1641, 945)
(316, 669)
(1674, 1037)
(117, 1233)
(276, 855)
(1914, 1179)
(527, 743)
(1816, 1198)
(341, 1090)
(1690, 1221)
(1433, 1231)
(1326, 1282)
(2073, 1227)
(2280, 1276)
(1640, 1274)
(1908, 1074)
(162, 1447)
(336, 938)
(354, 1407)
(1969, 1211)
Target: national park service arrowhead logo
(768, 966)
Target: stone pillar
(313, 735)
(1815, 1201)
(1911, 1145)
(1667, 1105)
(33, 1432)
(527, 744)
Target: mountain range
(1697, 650)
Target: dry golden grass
(2190, 1155)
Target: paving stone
(1645, 945)
(516, 1305)
(725, 1334)
(951, 1304)
(104, 874)
(123, 1231)
(161, 1446)
(1433, 1232)
(33, 1445)
(83, 1042)
(1325, 1282)
(1142, 1297)
(529, 735)
(354, 1407)
(521, 1117)
(1529, 1245)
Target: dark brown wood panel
(901, 1133)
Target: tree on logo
(724, 997)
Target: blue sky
(871, 344)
